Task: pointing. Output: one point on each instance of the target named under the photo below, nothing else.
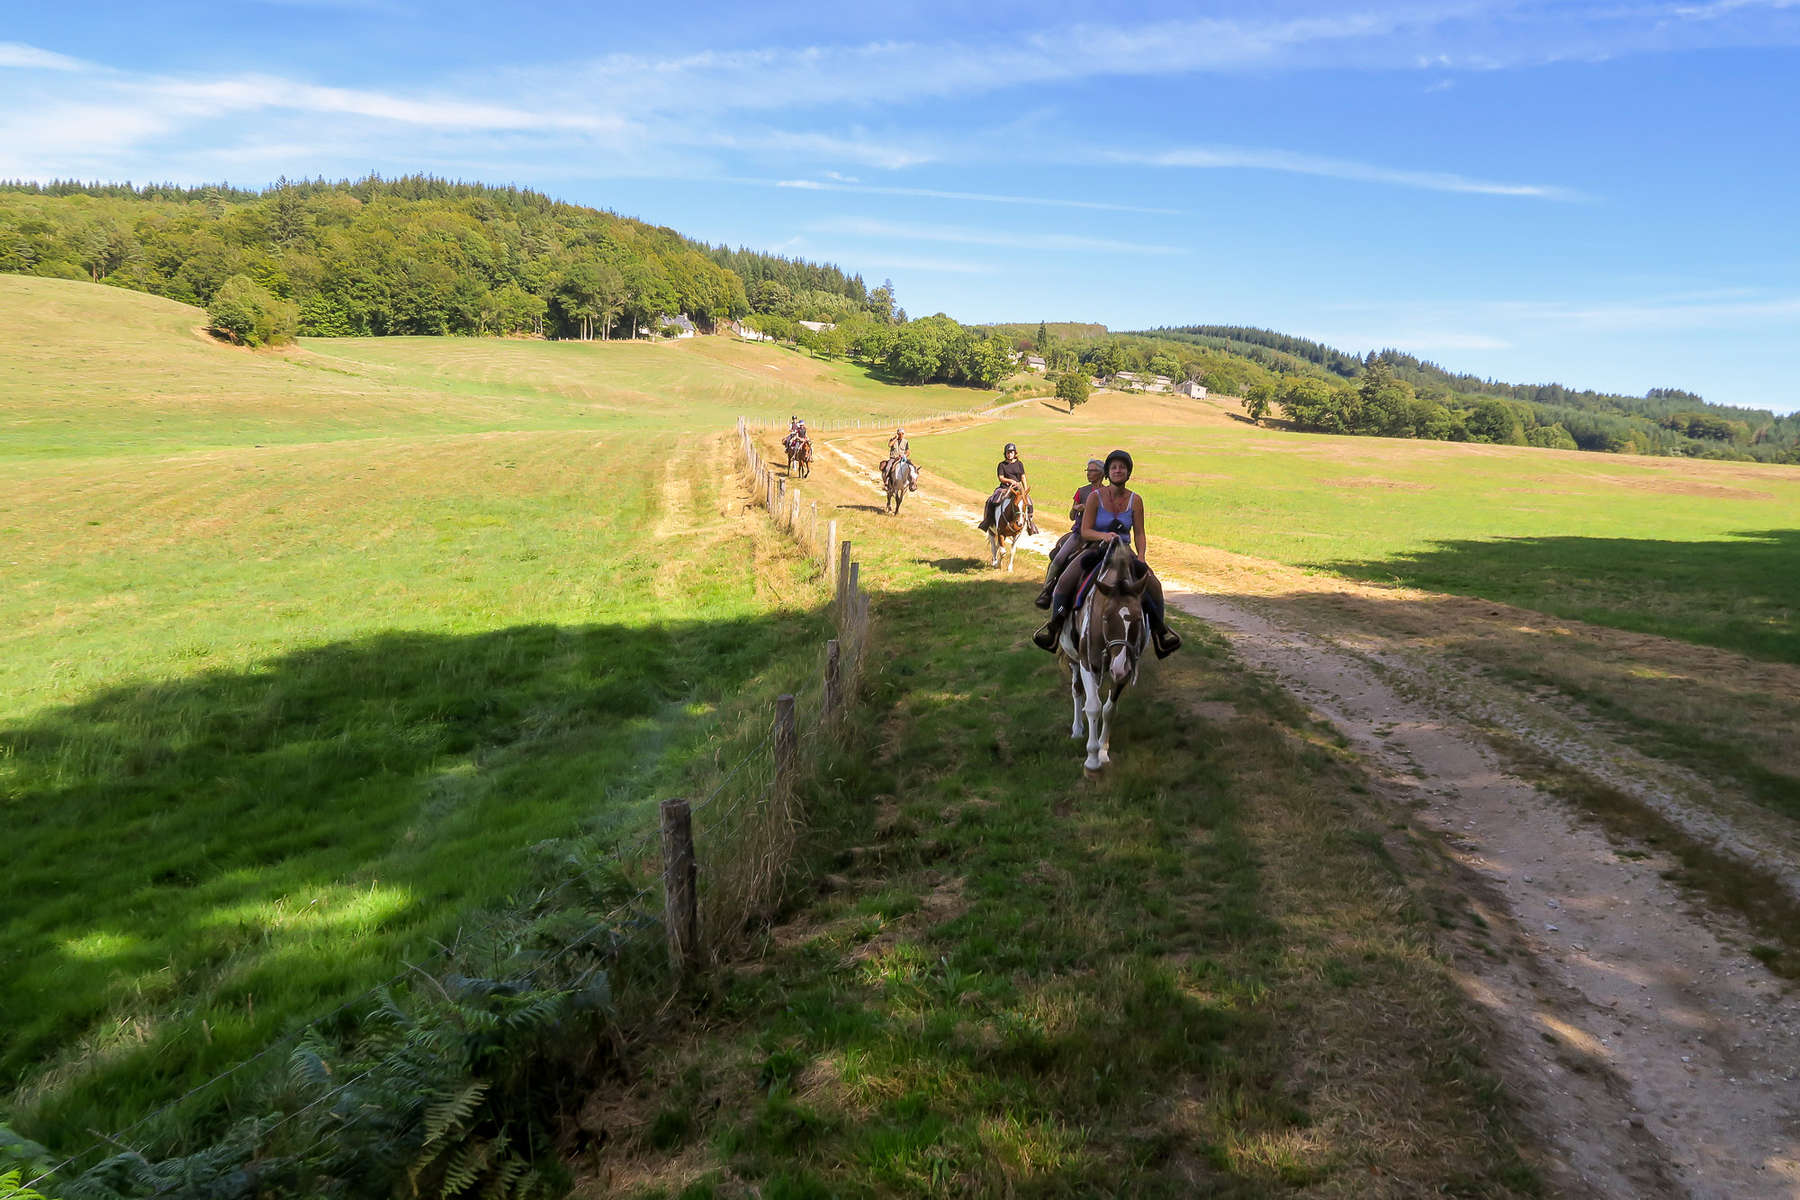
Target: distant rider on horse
(1011, 474)
(795, 435)
(1112, 513)
(899, 450)
(1069, 545)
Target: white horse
(902, 477)
(1102, 644)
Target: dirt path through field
(1656, 1055)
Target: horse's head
(1117, 630)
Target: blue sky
(1603, 195)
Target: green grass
(98, 371)
(1699, 551)
(1021, 982)
(301, 654)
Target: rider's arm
(1137, 525)
(1088, 512)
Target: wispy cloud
(959, 236)
(819, 185)
(1249, 158)
(19, 56)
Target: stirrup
(1165, 641)
(1045, 638)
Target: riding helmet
(1118, 456)
(1011, 448)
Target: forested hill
(1662, 421)
(414, 255)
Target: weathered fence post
(829, 699)
(830, 542)
(812, 528)
(843, 575)
(847, 609)
(787, 745)
(681, 914)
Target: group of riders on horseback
(1103, 512)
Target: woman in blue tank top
(1113, 511)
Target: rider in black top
(1010, 471)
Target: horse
(799, 454)
(1009, 523)
(1102, 644)
(900, 479)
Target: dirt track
(1655, 1055)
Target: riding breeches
(1069, 582)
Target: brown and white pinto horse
(1102, 643)
(799, 453)
(1009, 523)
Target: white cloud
(1249, 158)
(19, 56)
(817, 185)
(955, 235)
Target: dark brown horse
(1102, 643)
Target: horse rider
(1069, 545)
(899, 450)
(1011, 474)
(1112, 512)
(795, 435)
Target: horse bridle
(1104, 559)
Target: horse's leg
(1077, 730)
(1106, 713)
(1012, 548)
(993, 548)
(1090, 682)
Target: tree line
(415, 255)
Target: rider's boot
(1165, 640)
(1044, 597)
(1045, 638)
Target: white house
(817, 326)
(677, 325)
(1034, 363)
(1190, 388)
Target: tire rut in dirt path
(1656, 1056)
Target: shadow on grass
(197, 865)
(1738, 595)
(955, 566)
(868, 508)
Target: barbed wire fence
(703, 879)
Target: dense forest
(416, 255)
(1392, 394)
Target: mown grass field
(297, 664)
(1700, 551)
(100, 371)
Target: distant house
(1190, 388)
(742, 330)
(1034, 363)
(817, 326)
(678, 325)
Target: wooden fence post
(681, 913)
(812, 528)
(843, 575)
(829, 700)
(830, 544)
(787, 745)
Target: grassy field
(299, 657)
(1700, 551)
(1204, 974)
(96, 371)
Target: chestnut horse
(1009, 523)
(799, 455)
(1102, 643)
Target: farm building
(677, 325)
(817, 326)
(1034, 363)
(1191, 388)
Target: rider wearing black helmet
(1010, 471)
(1113, 511)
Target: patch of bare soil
(1656, 1054)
